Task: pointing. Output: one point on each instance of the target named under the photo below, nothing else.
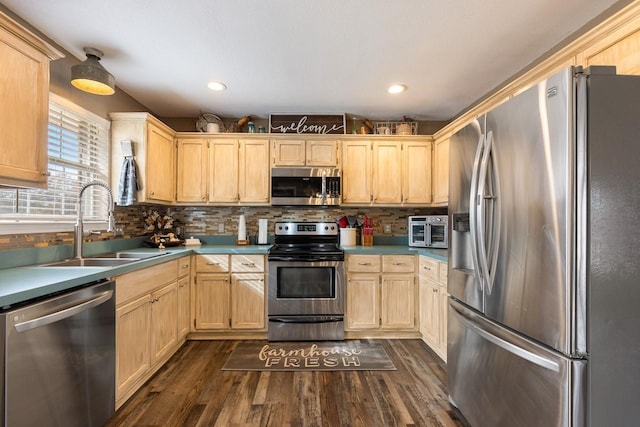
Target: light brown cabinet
(380, 293)
(24, 105)
(433, 304)
(441, 171)
(184, 298)
(296, 152)
(386, 172)
(229, 293)
(192, 169)
(254, 174)
(147, 315)
(154, 151)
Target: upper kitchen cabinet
(441, 171)
(296, 152)
(388, 171)
(192, 167)
(619, 47)
(254, 173)
(154, 152)
(356, 173)
(24, 105)
(222, 170)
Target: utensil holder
(347, 237)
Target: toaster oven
(429, 231)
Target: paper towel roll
(262, 231)
(242, 228)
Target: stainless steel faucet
(78, 228)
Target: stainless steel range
(306, 283)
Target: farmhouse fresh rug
(307, 356)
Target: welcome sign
(307, 123)
(306, 356)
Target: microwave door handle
(324, 187)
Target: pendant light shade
(90, 76)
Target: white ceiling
(310, 56)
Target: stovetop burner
(306, 240)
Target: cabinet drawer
(141, 282)
(398, 263)
(247, 263)
(184, 266)
(443, 272)
(363, 263)
(214, 263)
(428, 268)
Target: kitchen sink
(92, 262)
(137, 255)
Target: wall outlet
(221, 227)
(387, 229)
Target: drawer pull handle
(364, 263)
(427, 268)
(213, 263)
(250, 264)
(398, 263)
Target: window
(78, 153)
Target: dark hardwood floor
(192, 390)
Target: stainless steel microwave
(305, 186)
(429, 231)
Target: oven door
(437, 235)
(306, 288)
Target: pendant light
(90, 76)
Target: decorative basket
(396, 128)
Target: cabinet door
(619, 48)
(416, 172)
(223, 171)
(430, 312)
(247, 301)
(322, 153)
(398, 301)
(192, 170)
(254, 172)
(441, 171)
(363, 302)
(443, 305)
(387, 176)
(133, 352)
(184, 323)
(24, 107)
(288, 153)
(164, 321)
(212, 301)
(160, 165)
(356, 173)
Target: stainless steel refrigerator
(544, 258)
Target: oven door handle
(318, 258)
(307, 319)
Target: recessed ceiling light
(217, 86)
(399, 88)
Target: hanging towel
(129, 184)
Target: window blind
(78, 153)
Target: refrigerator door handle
(473, 220)
(505, 345)
(489, 228)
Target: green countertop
(24, 283)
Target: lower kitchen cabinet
(147, 313)
(380, 293)
(229, 300)
(433, 304)
(184, 298)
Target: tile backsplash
(210, 220)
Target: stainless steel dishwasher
(58, 359)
